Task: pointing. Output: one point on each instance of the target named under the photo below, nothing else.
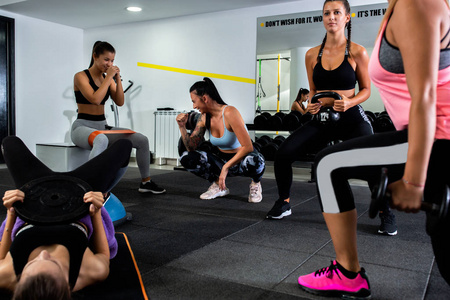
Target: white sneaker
(255, 194)
(213, 192)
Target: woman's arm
(237, 124)
(420, 54)
(81, 82)
(95, 263)
(361, 58)
(310, 62)
(193, 140)
(116, 89)
(9, 198)
(299, 107)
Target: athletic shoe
(330, 281)
(151, 187)
(279, 210)
(213, 192)
(255, 194)
(388, 225)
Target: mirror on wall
(282, 42)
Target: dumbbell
(56, 199)
(270, 149)
(371, 116)
(326, 115)
(436, 213)
(260, 121)
(383, 123)
(261, 142)
(275, 122)
(292, 120)
(192, 120)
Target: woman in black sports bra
(302, 96)
(92, 88)
(335, 65)
(50, 261)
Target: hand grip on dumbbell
(435, 212)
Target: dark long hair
(99, 48)
(301, 92)
(42, 287)
(207, 87)
(348, 25)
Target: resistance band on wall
(198, 73)
(260, 89)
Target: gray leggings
(81, 129)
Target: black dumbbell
(326, 115)
(192, 120)
(270, 150)
(279, 139)
(260, 121)
(276, 121)
(292, 120)
(383, 123)
(436, 213)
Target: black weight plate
(435, 219)
(53, 200)
(378, 194)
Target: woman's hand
(314, 108)
(113, 71)
(222, 177)
(96, 199)
(342, 105)
(405, 197)
(182, 120)
(11, 197)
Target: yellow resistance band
(203, 74)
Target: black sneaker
(280, 210)
(388, 225)
(151, 187)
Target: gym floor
(187, 248)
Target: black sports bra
(73, 236)
(341, 78)
(81, 99)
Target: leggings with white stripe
(362, 158)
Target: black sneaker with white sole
(279, 210)
(388, 224)
(151, 187)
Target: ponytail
(207, 87)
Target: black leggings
(99, 172)
(363, 158)
(353, 123)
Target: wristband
(413, 184)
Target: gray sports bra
(391, 58)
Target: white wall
(47, 56)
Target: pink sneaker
(330, 281)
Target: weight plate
(53, 199)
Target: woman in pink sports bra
(412, 74)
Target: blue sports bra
(228, 141)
